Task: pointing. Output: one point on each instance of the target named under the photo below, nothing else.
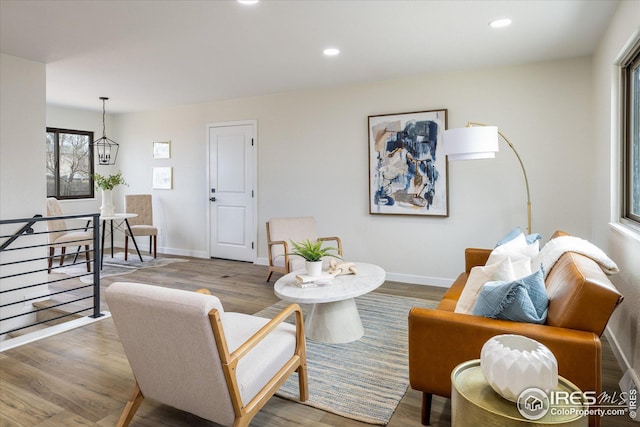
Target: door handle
(213, 199)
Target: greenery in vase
(311, 251)
(110, 182)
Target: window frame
(629, 64)
(56, 150)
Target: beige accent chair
(280, 233)
(142, 225)
(59, 237)
(187, 352)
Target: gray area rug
(115, 266)
(363, 380)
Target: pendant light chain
(104, 132)
(106, 149)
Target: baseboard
(420, 280)
(183, 252)
(399, 277)
(630, 376)
(144, 250)
(50, 331)
(622, 360)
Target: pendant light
(106, 149)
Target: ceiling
(147, 55)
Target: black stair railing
(18, 275)
(26, 229)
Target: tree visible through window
(631, 135)
(69, 164)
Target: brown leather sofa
(581, 300)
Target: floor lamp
(480, 141)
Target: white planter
(107, 208)
(314, 268)
(513, 363)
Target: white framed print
(162, 178)
(162, 150)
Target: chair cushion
(262, 363)
(290, 229)
(142, 230)
(295, 262)
(57, 228)
(141, 205)
(73, 238)
(296, 229)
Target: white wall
(22, 175)
(622, 244)
(313, 160)
(22, 122)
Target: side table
(475, 403)
(334, 316)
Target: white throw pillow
(516, 249)
(504, 270)
(521, 268)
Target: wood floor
(82, 377)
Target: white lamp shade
(476, 142)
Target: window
(631, 136)
(69, 164)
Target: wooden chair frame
(153, 244)
(285, 245)
(245, 413)
(63, 252)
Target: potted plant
(107, 184)
(312, 252)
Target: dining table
(121, 223)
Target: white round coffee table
(334, 316)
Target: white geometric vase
(107, 208)
(513, 363)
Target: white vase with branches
(107, 184)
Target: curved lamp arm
(524, 172)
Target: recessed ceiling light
(331, 51)
(500, 23)
(247, 1)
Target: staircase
(25, 280)
(55, 311)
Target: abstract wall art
(407, 167)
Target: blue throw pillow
(530, 238)
(510, 236)
(523, 300)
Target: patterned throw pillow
(504, 270)
(522, 300)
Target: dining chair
(142, 225)
(187, 352)
(280, 233)
(60, 236)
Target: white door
(232, 201)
